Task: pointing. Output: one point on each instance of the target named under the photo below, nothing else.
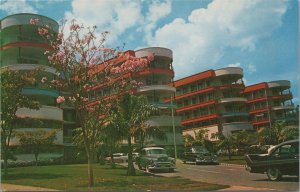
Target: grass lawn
(74, 177)
(240, 160)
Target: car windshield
(199, 149)
(156, 151)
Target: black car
(282, 159)
(199, 155)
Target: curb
(233, 165)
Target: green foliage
(198, 140)
(237, 140)
(129, 117)
(12, 83)
(35, 140)
(278, 133)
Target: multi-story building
(22, 48)
(212, 100)
(157, 87)
(269, 102)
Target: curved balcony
(31, 67)
(58, 140)
(232, 99)
(229, 71)
(37, 91)
(234, 114)
(24, 19)
(285, 84)
(159, 88)
(27, 33)
(288, 107)
(163, 71)
(228, 128)
(198, 119)
(163, 121)
(164, 105)
(196, 106)
(157, 51)
(45, 112)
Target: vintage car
(199, 155)
(282, 159)
(118, 158)
(155, 158)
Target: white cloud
(113, 16)
(251, 68)
(13, 7)
(234, 65)
(199, 42)
(157, 11)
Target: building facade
(22, 48)
(157, 86)
(269, 102)
(212, 100)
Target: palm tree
(278, 133)
(130, 115)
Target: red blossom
(42, 31)
(34, 21)
(60, 99)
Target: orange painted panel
(193, 78)
(255, 87)
(195, 106)
(199, 119)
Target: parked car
(282, 159)
(199, 155)
(118, 158)
(155, 158)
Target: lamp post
(173, 124)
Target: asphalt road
(233, 176)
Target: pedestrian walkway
(11, 187)
(243, 188)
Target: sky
(260, 36)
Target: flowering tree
(85, 64)
(12, 83)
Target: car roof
(149, 148)
(283, 143)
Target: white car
(118, 158)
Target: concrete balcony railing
(161, 88)
(232, 99)
(163, 121)
(281, 83)
(229, 71)
(157, 51)
(287, 107)
(30, 67)
(24, 19)
(45, 112)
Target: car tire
(274, 174)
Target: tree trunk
(130, 170)
(112, 161)
(229, 152)
(5, 161)
(90, 170)
(36, 158)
